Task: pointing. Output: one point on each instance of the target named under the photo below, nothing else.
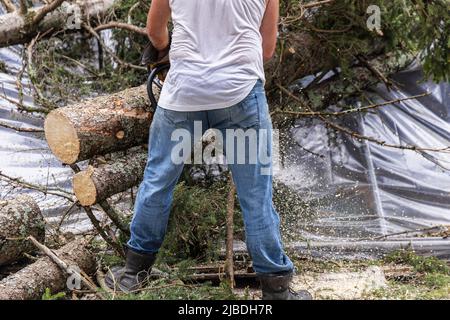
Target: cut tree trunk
(16, 28)
(96, 184)
(99, 125)
(19, 218)
(30, 282)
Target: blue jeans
(254, 189)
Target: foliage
(417, 26)
(49, 296)
(67, 68)
(419, 263)
(177, 290)
(71, 67)
(197, 223)
(173, 287)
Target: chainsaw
(157, 63)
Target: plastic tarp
(360, 191)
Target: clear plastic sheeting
(360, 190)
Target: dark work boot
(276, 287)
(135, 273)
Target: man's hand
(269, 28)
(157, 20)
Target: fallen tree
(31, 282)
(19, 218)
(301, 50)
(96, 184)
(99, 125)
(21, 25)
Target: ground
(401, 275)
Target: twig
(316, 4)
(19, 129)
(111, 53)
(114, 216)
(303, 8)
(45, 190)
(121, 25)
(438, 228)
(133, 7)
(78, 63)
(66, 213)
(377, 73)
(31, 71)
(345, 112)
(229, 262)
(45, 10)
(20, 105)
(65, 267)
(360, 136)
(170, 285)
(102, 232)
(100, 276)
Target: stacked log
(19, 218)
(93, 185)
(100, 125)
(32, 281)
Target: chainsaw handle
(152, 77)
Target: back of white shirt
(216, 54)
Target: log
(30, 282)
(96, 184)
(19, 218)
(99, 125)
(16, 28)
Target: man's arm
(157, 20)
(269, 28)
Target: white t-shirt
(216, 54)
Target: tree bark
(19, 218)
(16, 28)
(96, 184)
(229, 262)
(30, 282)
(99, 125)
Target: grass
(177, 290)
(429, 279)
(420, 264)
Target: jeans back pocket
(176, 118)
(245, 114)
